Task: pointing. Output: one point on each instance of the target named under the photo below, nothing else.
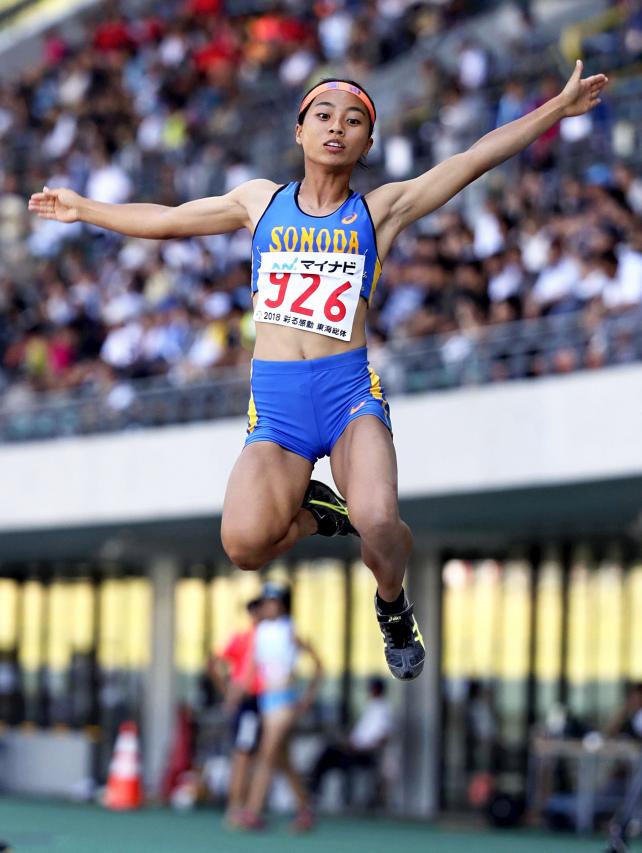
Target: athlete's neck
(323, 193)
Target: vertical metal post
(160, 681)
(422, 702)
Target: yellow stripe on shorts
(375, 385)
(377, 391)
(252, 415)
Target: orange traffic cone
(124, 784)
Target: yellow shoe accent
(334, 507)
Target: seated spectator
(364, 745)
(626, 721)
(552, 292)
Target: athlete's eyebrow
(330, 104)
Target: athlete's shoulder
(257, 189)
(255, 196)
(381, 202)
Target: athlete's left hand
(579, 96)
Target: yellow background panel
(228, 595)
(112, 619)
(367, 645)
(82, 602)
(32, 610)
(580, 651)
(457, 618)
(485, 603)
(8, 614)
(513, 660)
(307, 611)
(608, 625)
(319, 613)
(633, 666)
(137, 641)
(189, 647)
(548, 622)
(333, 623)
(58, 626)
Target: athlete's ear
(297, 134)
(369, 145)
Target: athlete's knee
(377, 524)
(244, 559)
(245, 552)
(249, 547)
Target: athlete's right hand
(60, 203)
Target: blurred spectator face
(432, 276)
(376, 687)
(467, 314)
(608, 264)
(555, 253)
(272, 608)
(470, 277)
(635, 697)
(255, 610)
(565, 361)
(503, 312)
(426, 248)
(623, 175)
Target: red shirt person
(228, 671)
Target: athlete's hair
(304, 112)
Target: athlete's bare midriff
(274, 343)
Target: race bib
(316, 291)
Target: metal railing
(552, 345)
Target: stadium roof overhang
(482, 522)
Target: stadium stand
(536, 269)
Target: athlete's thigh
(364, 466)
(276, 728)
(266, 487)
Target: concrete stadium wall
(582, 427)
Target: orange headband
(344, 87)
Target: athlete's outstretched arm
(215, 215)
(407, 201)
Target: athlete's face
(336, 129)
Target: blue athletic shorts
(271, 701)
(304, 406)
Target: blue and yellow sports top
(284, 227)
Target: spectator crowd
(161, 104)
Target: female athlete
(318, 248)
